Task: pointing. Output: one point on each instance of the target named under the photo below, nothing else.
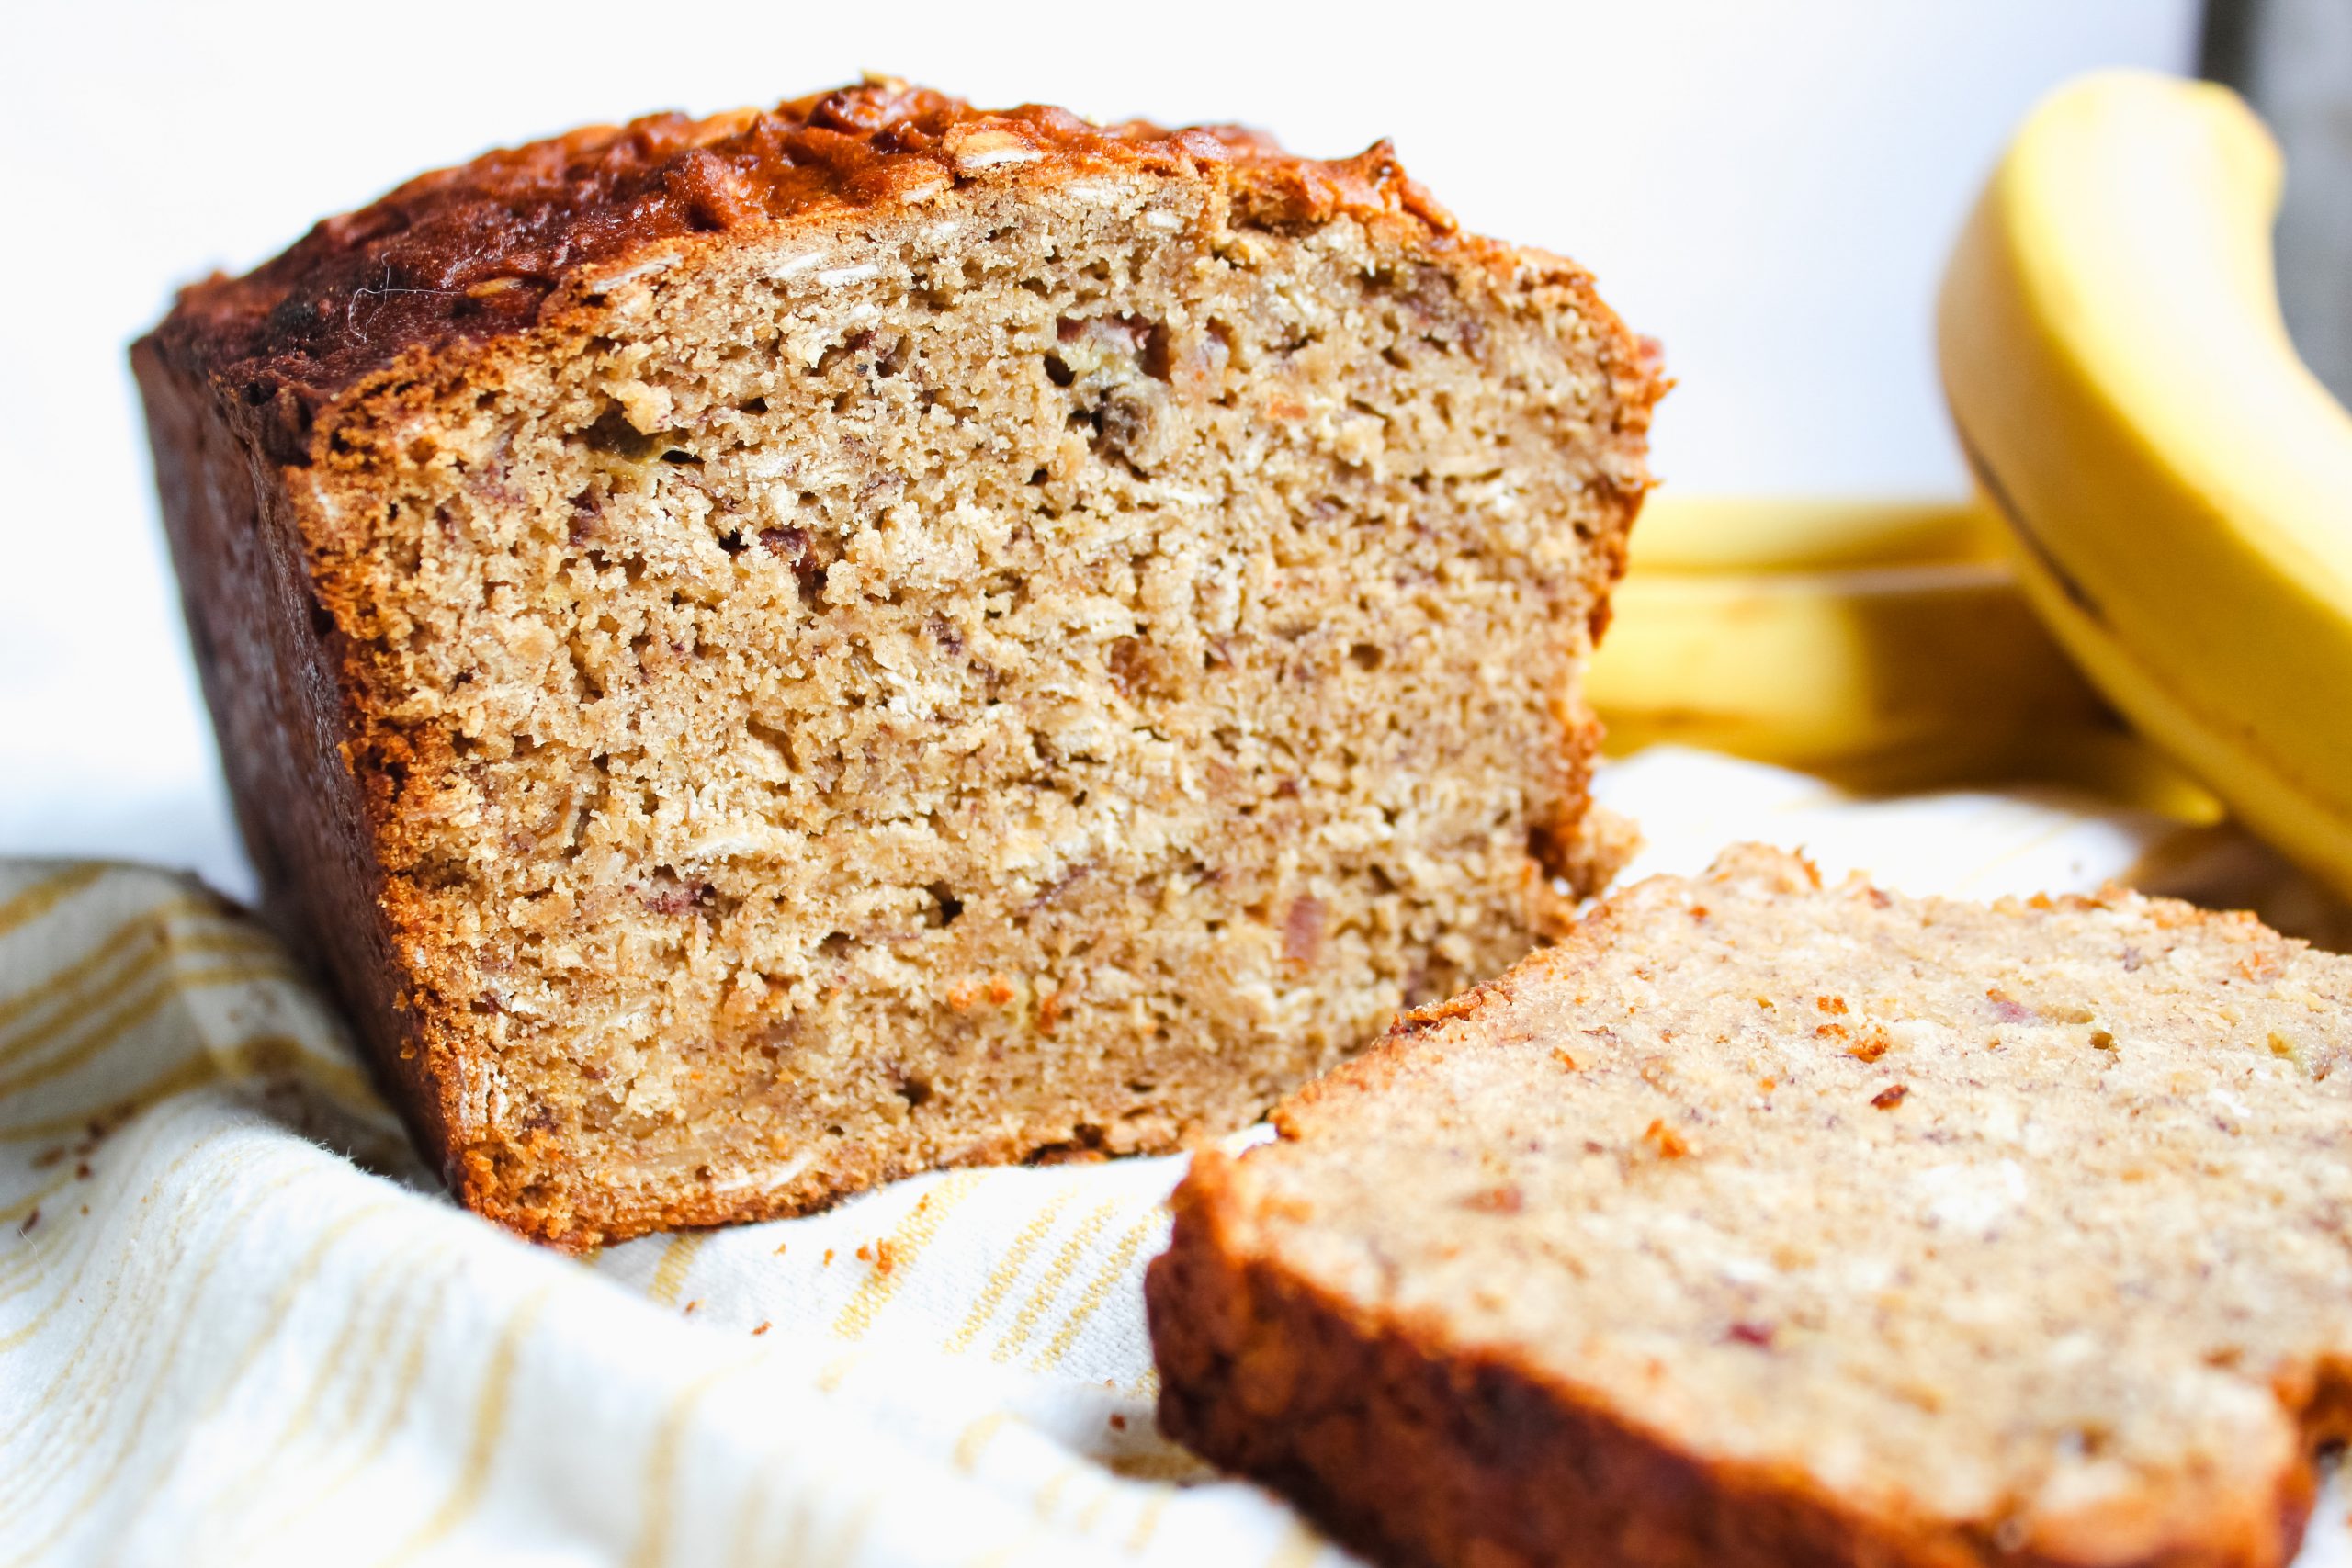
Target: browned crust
(267, 392)
(270, 663)
(1416, 1450)
(489, 249)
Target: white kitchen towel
(240, 1324)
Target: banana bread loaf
(1761, 1224)
(769, 653)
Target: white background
(1767, 186)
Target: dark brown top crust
(474, 251)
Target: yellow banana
(2178, 485)
(1711, 533)
(1880, 677)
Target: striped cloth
(240, 1324)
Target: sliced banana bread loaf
(1765, 1223)
(768, 653)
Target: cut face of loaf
(956, 638)
(1760, 1223)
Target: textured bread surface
(769, 653)
(1761, 1223)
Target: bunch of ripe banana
(2170, 491)
(1883, 646)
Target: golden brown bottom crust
(480, 1187)
(1415, 1454)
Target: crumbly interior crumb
(1028, 674)
(2034, 1222)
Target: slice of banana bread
(1761, 1224)
(768, 653)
